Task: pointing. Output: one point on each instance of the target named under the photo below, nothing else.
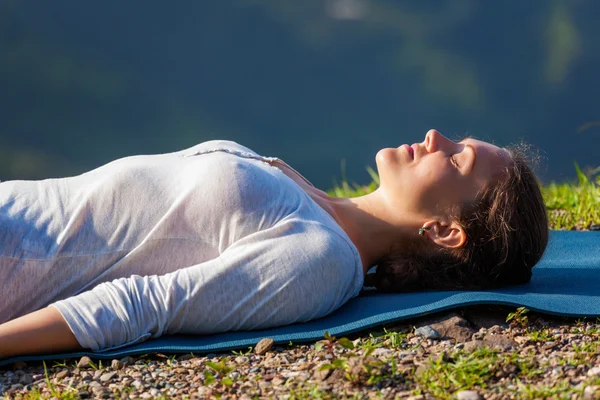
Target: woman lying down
(218, 238)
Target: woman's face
(437, 172)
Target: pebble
(468, 395)
(595, 371)
(589, 393)
(63, 374)
(84, 362)
(382, 352)
(499, 341)
(108, 376)
(263, 346)
(427, 332)
(473, 344)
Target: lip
(414, 148)
(410, 150)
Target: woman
(218, 238)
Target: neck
(365, 219)
(368, 223)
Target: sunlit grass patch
(444, 376)
(560, 389)
(573, 205)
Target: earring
(423, 229)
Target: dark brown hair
(507, 234)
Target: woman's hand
(42, 331)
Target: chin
(387, 163)
(387, 156)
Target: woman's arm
(42, 331)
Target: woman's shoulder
(326, 240)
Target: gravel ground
(468, 355)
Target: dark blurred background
(322, 84)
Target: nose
(434, 140)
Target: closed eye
(453, 160)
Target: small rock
(594, 227)
(499, 341)
(383, 352)
(62, 374)
(263, 346)
(277, 381)
(468, 395)
(185, 357)
(284, 360)
(589, 393)
(495, 329)
(268, 377)
(595, 371)
(321, 375)
(115, 364)
(26, 379)
(521, 339)
(241, 360)
(427, 332)
(181, 371)
(454, 327)
(84, 362)
(474, 344)
(108, 376)
(125, 361)
(16, 387)
(550, 346)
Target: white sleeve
(291, 272)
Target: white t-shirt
(209, 239)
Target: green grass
(460, 371)
(573, 205)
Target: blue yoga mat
(565, 282)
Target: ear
(449, 235)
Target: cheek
(434, 176)
(437, 186)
